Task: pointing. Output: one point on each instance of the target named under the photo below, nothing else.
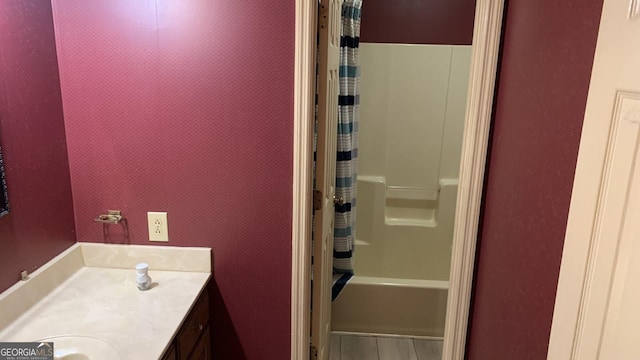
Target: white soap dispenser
(142, 276)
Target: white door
(597, 311)
(329, 56)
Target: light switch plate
(158, 229)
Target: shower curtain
(347, 144)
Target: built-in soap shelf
(406, 206)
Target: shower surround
(413, 100)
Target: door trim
(302, 223)
(484, 59)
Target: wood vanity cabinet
(202, 350)
(193, 340)
(170, 354)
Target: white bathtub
(401, 260)
(391, 306)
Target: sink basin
(78, 347)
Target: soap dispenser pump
(143, 280)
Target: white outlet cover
(158, 227)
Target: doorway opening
(483, 59)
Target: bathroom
(135, 119)
(63, 171)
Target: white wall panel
(413, 100)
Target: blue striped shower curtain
(347, 156)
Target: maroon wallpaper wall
(448, 22)
(546, 64)
(187, 107)
(32, 137)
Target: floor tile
(428, 349)
(396, 348)
(358, 348)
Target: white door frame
(484, 59)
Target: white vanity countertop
(104, 303)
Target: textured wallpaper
(542, 89)
(444, 22)
(187, 107)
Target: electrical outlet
(158, 230)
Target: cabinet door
(170, 354)
(194, 327)
(202, 349)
